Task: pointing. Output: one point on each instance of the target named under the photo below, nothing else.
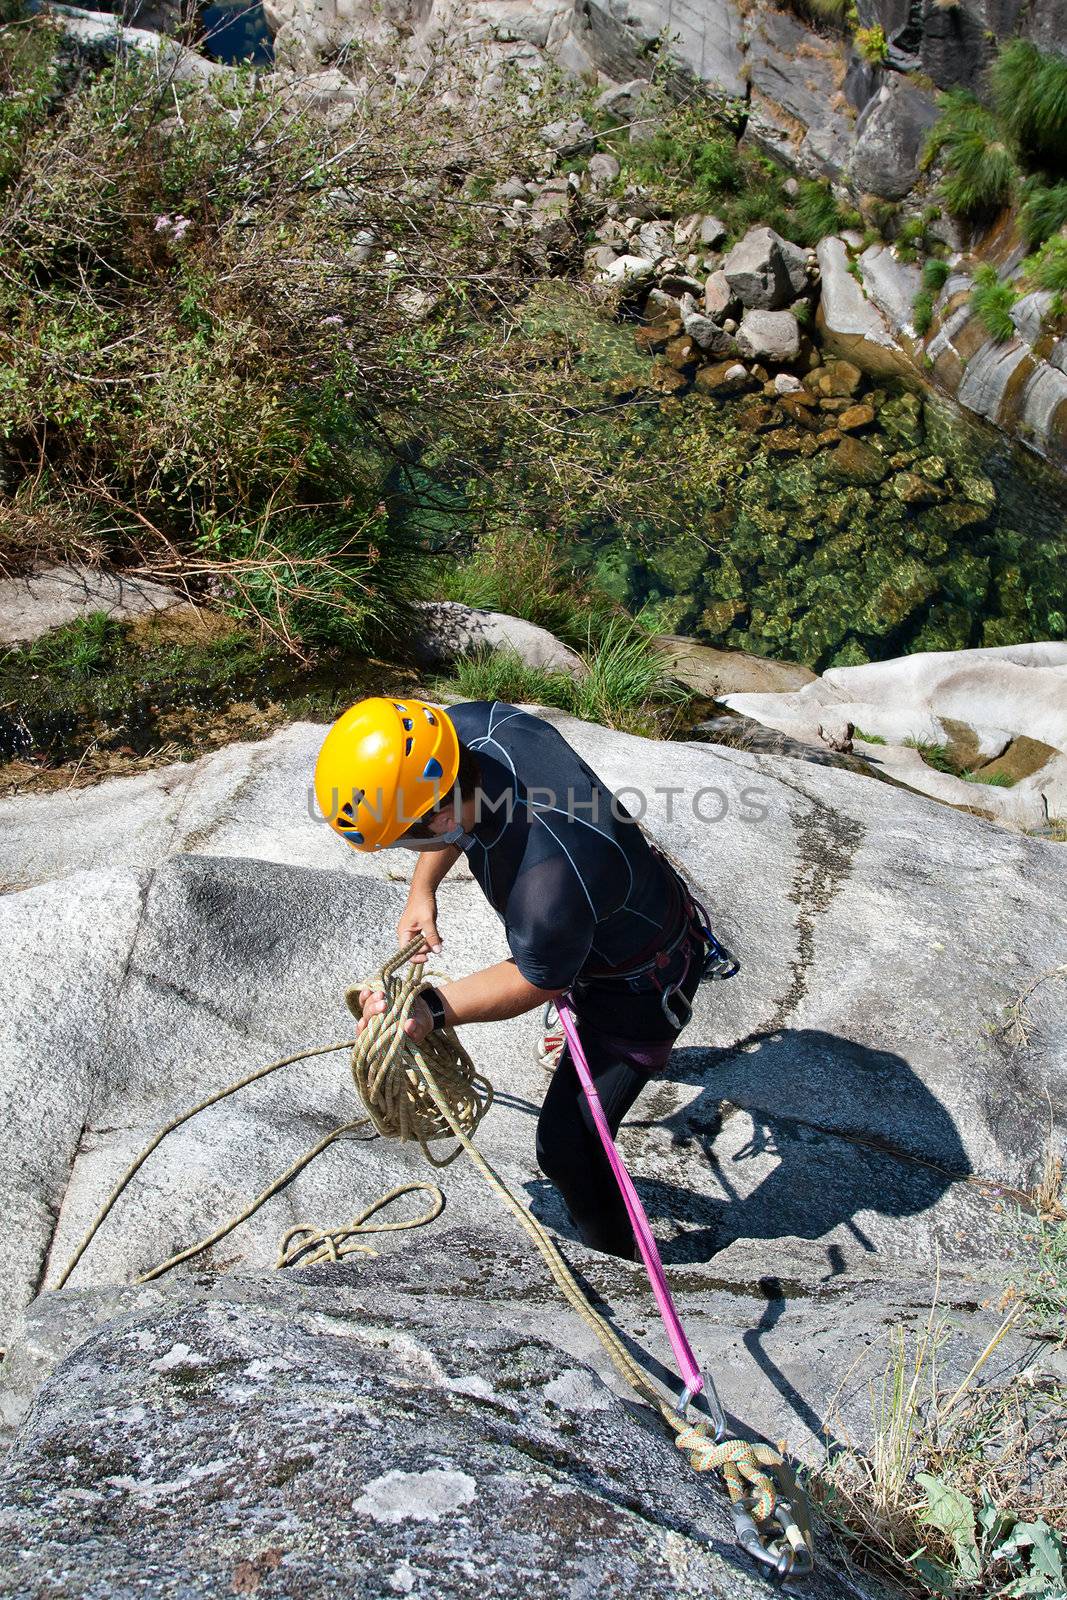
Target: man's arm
(420, 913)
(493, 995)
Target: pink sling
(693, 1379)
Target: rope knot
(741, 1463)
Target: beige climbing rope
(430, 1092)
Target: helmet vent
(408, 723)
(430, 718)
(398, 706)
(433, 769)
(407, 746)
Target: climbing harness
(431, 1091)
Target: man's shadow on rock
(848, 1129)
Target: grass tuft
(922, 311)
(935, 274)
(1043, 211)
(991, 302)
(1030, 94)
(980, 169)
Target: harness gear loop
(407, 1101)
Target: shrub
(818, 213)
(980, 170)
(991, 302)
(1043, 211)
(872, 45)
(1030, 94)
(922, 311)
(1048, 270)
(935, 274)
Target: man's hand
(418, 1024)
(420, 916)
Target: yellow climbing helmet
(382, 766)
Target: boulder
(568, 136)
(603, 169)
(889, 139)
(796, 114)
(849, 323)
(101, 34)
(449, 629)
(1011, 695)
(654, 240)
(50, 596)
(720, 301)
(708, 335)
(713, 673)
(891, 285)
(855, 417)
(765, 271)
(627, 272)
(772, 336)
(624, 100)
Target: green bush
(935, 274)
(1030, 94)
(871, 44)
(817, 213)
(980, 169)
(1043, 211)
(991, 302)
(1048, 270)
(922, 311)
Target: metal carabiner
(711, 1396)
(667, 999)
(790, 1553)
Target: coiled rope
(428, 1092)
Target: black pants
(621, 1063)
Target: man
(590, 909)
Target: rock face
(1013, 697)
(99, 34)
(451, 629)
(165, 933)
(765, 271)
(209, 1442)
(31, 605)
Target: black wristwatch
(435, 1004)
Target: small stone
(712, 233)
(786, 383)
(844, 378)
(511, 189)
(652, 340)
(855, 417)
(723, 377)
(834, 407)
(655, 240)
(857, 462)
(597, 260)
(707, 334)
(663, 308)
(603, 170)
(754, 415)
(797, 410)
(913, 490)
(666, 379)
(784, 442)
(681, 352)
(568, 136)
(729, 326)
